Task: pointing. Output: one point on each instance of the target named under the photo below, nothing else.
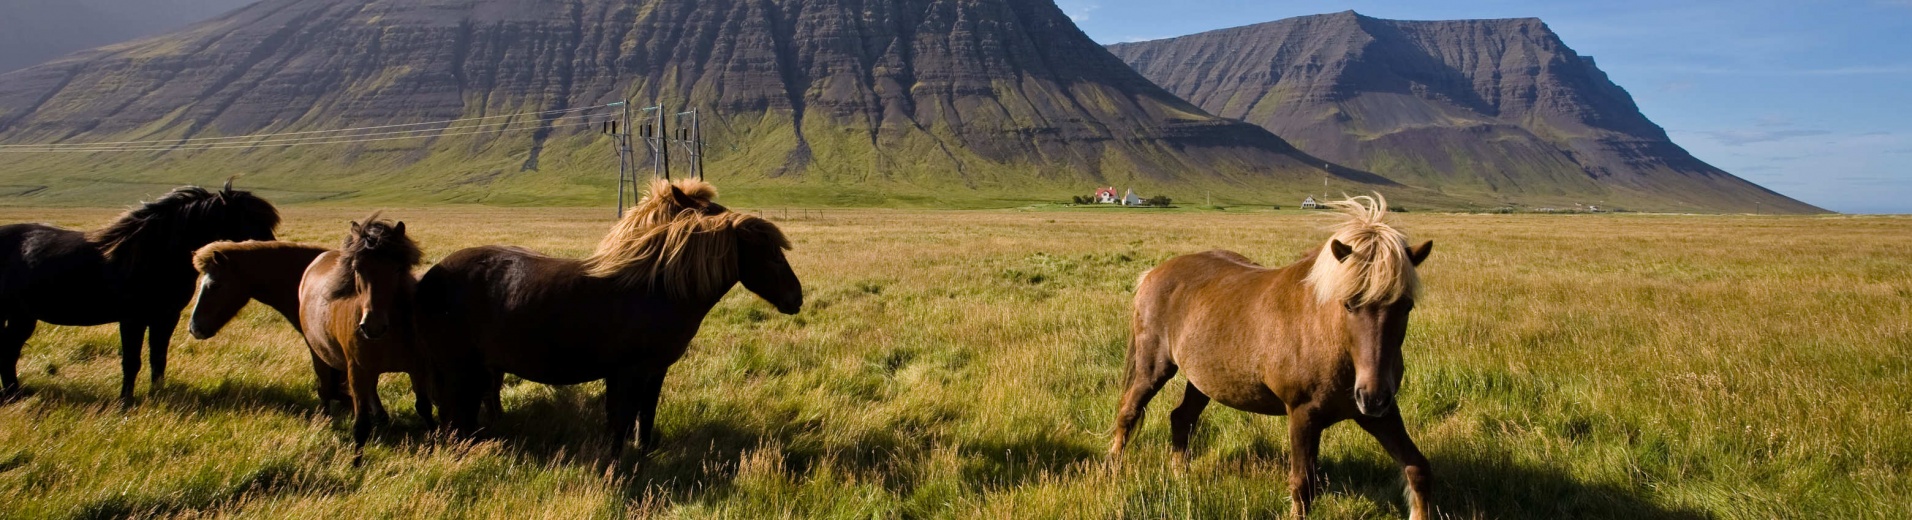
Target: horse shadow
(700, 456)
(1492, 485)
(225, 395)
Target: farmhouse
(1105, 195)
(1309, 203)
(1131, 199)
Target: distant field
(966, 364)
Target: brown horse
(355, 306)
(1318, 341)
(137, 272)
(231, 274)
(624, 315)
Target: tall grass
(967, 364)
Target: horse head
(1366, 274)
(762, 267)
(1376, 330)
(379, 257)
(221, 292)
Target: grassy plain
(966, 365)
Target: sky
(1809, 98)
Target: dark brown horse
(355, 308)
(137, 272)
(232, 274)
(624, 315)
(1318, 341)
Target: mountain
(33, 31)
(1483, 109)
(825, 101)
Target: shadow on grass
(1489, 485)
(225, 395)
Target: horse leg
(1182, 421)
(622, 394)
(13, 338)
(461, 388)
(1148, 371)
(651, 388)
(378, 407)
(159, 338)
(1304, 451)
(1420, 477)
(131, 333)
(494, 398)
(422, 398)
(331, 383)
(365, 407)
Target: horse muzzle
(371, 331)
(193, 328)
(1372, 404)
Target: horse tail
(1133, 363)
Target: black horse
(137, 272)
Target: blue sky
(1810, 98)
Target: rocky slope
(1495, 109)
(915, 97)
(34, 31)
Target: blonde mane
(678, 241)
(1378, 271)
(212, 255)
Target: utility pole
(664, 143)
(620, 132)
(691, 138)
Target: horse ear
(1341, 251)
(682, 200)
(1419, 253)
(400, 228)
(356, 227)
(227, 190)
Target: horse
(355, 310)
(623, 315)
(136, 272)
(1318, 341)
(231, 274)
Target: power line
(264, 142)
(175, 143)
(229, 146)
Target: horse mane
(678, 241)
(214, 254)
(1378, 271)
(155, 225)
(375, 239)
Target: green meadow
(966, 364)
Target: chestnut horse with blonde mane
(355, 309)
(1318, 341)
(624, 315)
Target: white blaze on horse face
(192, 324)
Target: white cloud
(1865, 70)
(1764, 134)
(1079, 10)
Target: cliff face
(34, 31)
(1498, 109)
(980, 94)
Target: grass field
(967, 365)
